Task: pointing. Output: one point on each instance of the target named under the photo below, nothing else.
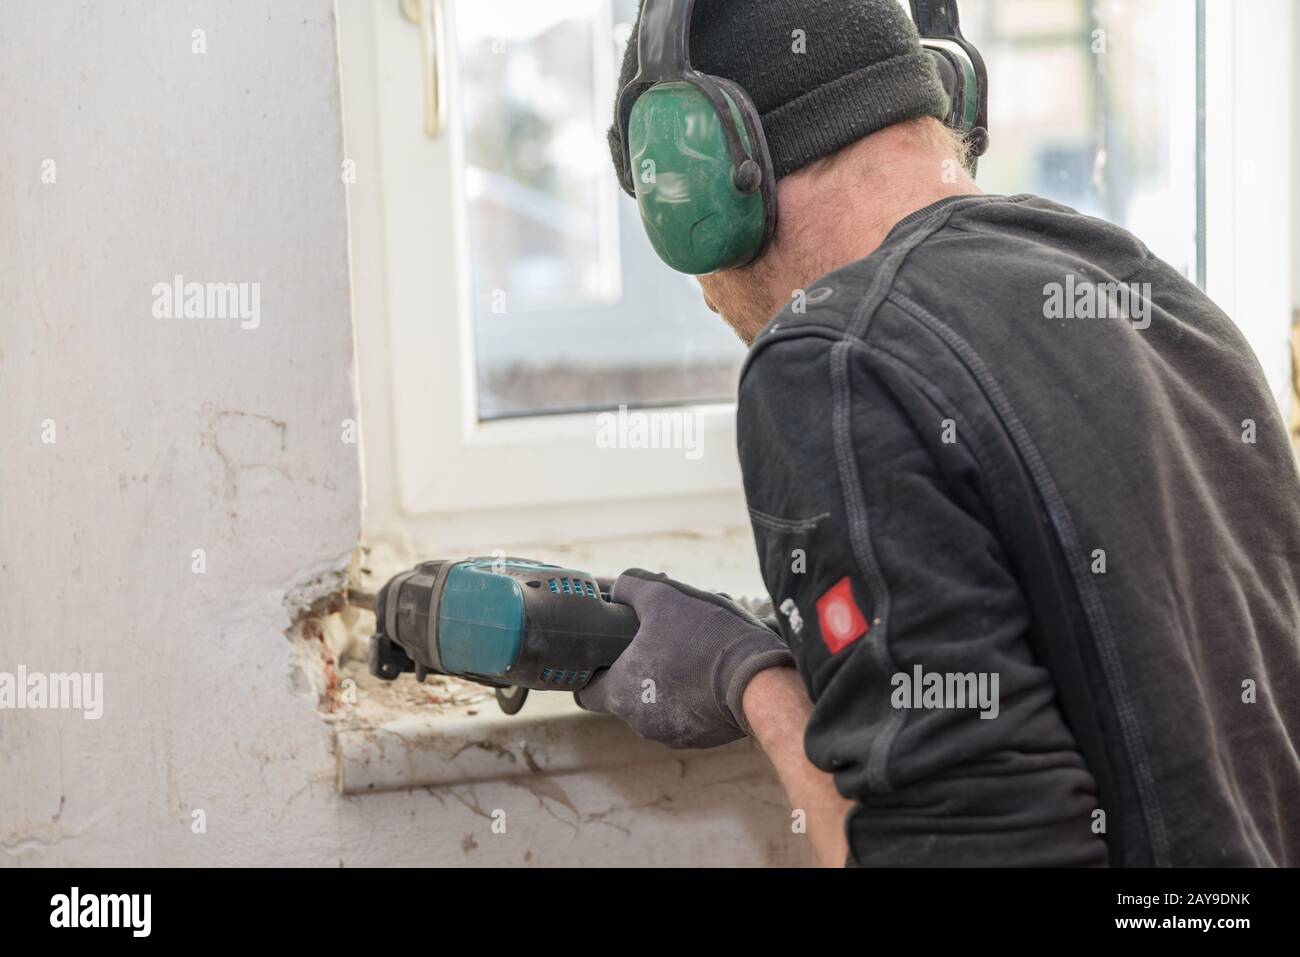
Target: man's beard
(746, 298)
(748, 308)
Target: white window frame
(433, 468)
(501, 480)
(1250, 166)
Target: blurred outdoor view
(573, 311)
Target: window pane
(572, 309)
(1093, 104)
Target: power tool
(510, 623)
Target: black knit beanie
(861, 69)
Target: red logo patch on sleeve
(842, 622)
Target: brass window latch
(427, 15)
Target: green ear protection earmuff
(961, 71)
(695, 156)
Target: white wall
(172, 434)
(181, 434)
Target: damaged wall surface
(180, 481)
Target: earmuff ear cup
(756, 142)
(961, 80)
(957, 77)
(947, 78)
(697, 218)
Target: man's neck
(837, 212)
(843, 217)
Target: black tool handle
(569, 637)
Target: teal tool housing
(506, 622)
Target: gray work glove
(681, 680)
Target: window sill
(387, 741)
(446, 732)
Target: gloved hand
(681, 680)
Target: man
(1036, 570)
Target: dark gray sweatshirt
(1033, 520)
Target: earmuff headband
(663, 44)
